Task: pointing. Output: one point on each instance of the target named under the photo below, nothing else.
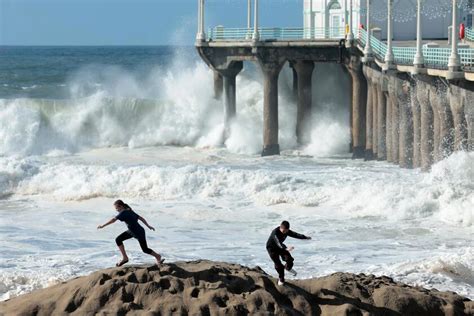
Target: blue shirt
(131, 219)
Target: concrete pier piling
(415, 121)
(405, 127)
(271, 71)
(230, 107)
(304, 72)
(426, 124)
(416, 113)
(349, 108)
(469, 114)
(359, 108)
(395, 95)
(434, 100)
(218, 85)
(369, 154)
(457, 99)
(375, 108)
(446, 128)
(381, 121)
(230, 98)
(443, 121)
(388, 127)
(295, 82)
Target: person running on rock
(276, 249)
(127, 215)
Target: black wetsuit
(276, 249)
(134, 230)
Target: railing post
(368, 53)
(389, 56)
(256, 35)
(201, 35)
(350, 36)
(419, 60)
(454, 64)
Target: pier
(412, 104)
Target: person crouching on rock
(127, 215)
(276, 249)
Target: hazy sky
(129, 22)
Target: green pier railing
(434, 57)
(220, 33)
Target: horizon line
(94, 45)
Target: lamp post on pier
(389, 55)
(350, 36)
(368, 53)
(419, 60)
(454, 63)
(256, 35)
(311, 19)
(249, 14)
(201, 34)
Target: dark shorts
(138, 233)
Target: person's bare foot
(159, 261)
(121, 263)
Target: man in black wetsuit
(276, 249)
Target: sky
(129, 22)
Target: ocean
(83, 126)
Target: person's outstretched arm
(146, 223)
(113, 220)
(297, 236)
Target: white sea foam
(120, 114)
(358, 192)
(29, 87)
(46, 272)
(110, 107)
(328, 139)
(436, 271)
(453, 186)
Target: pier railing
(220, 33)
(434, 57)
(469, 34)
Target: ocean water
(83, 126)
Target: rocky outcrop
(214, 288)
